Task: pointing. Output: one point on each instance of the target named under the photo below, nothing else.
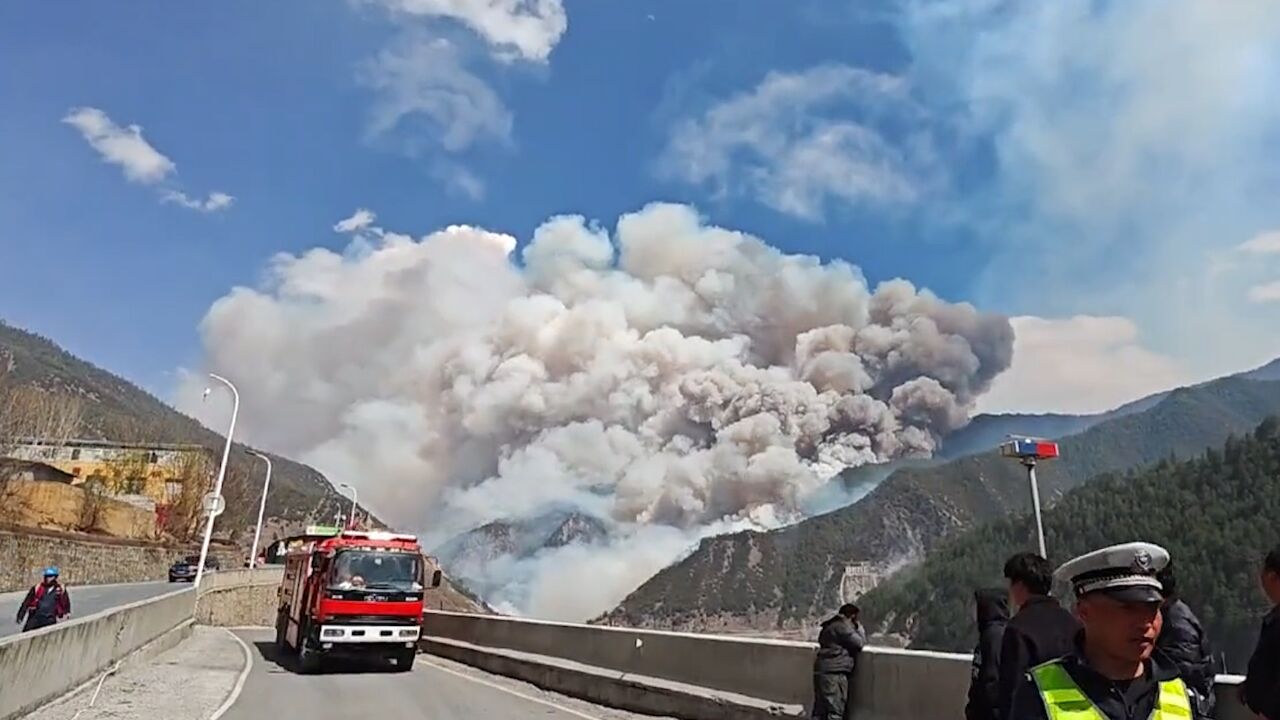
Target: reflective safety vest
(1064, 700)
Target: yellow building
(158, 473)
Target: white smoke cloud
(669, 380)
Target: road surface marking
(509, 691)
(244, 675)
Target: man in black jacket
(1262, 680)
(993, 615)
(839, 643)
(1183, 643)
(1042, 630)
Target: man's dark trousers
(831, 696)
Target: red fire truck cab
(352, 593)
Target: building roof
(111, 444)
(12, 466)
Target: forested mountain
(788, 577)
(1216, 514)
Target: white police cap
(1126, 572)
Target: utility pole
(214, 502)
(262, 506)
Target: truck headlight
(332, 632)
(409, 632)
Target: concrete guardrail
(39, 666)
(671, 673)
(240, 597)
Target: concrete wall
(891, 684)
(82, 561)
(239, 597)
(39, 666)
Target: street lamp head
(205, 395)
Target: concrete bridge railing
(706, 676)
(39, 666)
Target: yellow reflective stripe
(1173, 703)
(1062, 697)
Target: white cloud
(1082, 364)
(121, 146)
(784, 142)
(1265, 293)
(138, 159)
(1267, 243)
(517, 29)
(214, 202)
(420, 80)
(359, 220)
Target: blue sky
(1103, 171)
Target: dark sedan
(184, 570)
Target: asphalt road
(436, 689)
(86, 600)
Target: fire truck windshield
(371, 570)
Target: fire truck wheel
(404, 659)
(282, 642)
(308, 659)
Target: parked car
(184, 570)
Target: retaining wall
(83, 561)
(581, 660)
(38, 666)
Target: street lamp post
(262, 506)
(222, 473)
(352, 521)
(1029, 451)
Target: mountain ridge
(787, 577)
(1203, 510)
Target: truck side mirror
(317, 561)
(436, 577)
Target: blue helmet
(51, 571)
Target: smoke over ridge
(670, 380)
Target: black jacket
(1041, 631)
(1183, 643)
(1262, 679)
(839, 643)
(993, 615)
(1027, 704)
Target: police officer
(1112, 672)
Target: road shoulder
(192, 681)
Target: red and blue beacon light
(1029, 450)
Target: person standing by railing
(1041, 630)
(1261, 691)
(984, 682)
(46, 603)
(1184, 643)
(839, 643)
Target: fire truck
(351, 593)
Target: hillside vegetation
(789, 577)
(1214, 513)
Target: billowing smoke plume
(668, 381)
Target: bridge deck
(436, 689)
